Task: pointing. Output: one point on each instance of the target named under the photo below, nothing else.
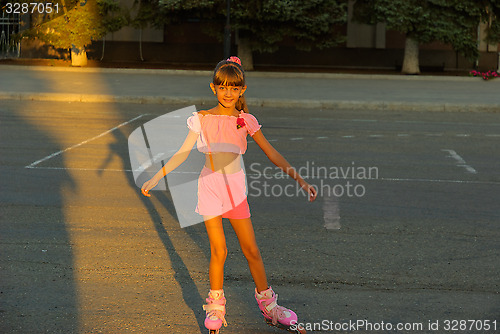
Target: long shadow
(188, 287)
(38, 290)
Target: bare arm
(276, 158)
(175, 161)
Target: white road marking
(331, 212)
(400, 135)
(460, 161)
(454, 155)
(149, 163)
(469, 169)
(114, 170)
(364, 120)
(331, 209)
(389, 179)
(437, 181)
(82, 143)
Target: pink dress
(222, 194)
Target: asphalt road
(83, 252)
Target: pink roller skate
(216, 311)
(276, 315)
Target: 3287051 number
(470, 325)
(31, 8)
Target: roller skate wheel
(213, 331)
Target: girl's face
(228, 95)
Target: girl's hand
(311, 191)
(147, 186)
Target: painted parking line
(55, 154)
(331, 212)
(398, 135)
(389, 179)
(459, 160)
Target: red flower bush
(485, 75)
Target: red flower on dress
(240, 122)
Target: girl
(221, 134)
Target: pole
(478, 45)
(227, 31)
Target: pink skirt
(222, 194)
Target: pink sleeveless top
(222, 131)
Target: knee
(219, 253)
(251, 253)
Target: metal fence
(10, 24)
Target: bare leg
(218, 251)
(246, 237)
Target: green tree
(79, 22)
(454, 22)
(262, 24)
(160, 13)
(259, 24)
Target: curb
(255, 102)
(249, 74)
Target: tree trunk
(78, 56)
(410, 62)
(245, 54)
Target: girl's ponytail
(241, 104)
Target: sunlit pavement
(84, 252)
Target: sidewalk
(298, 90)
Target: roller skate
(275, 315)
(216, 311)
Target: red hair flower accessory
(240, 122)
(234, 60)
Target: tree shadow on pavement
(38, 287)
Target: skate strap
(216, 311)
(272, 304)
(274, 310)
(214, 307)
